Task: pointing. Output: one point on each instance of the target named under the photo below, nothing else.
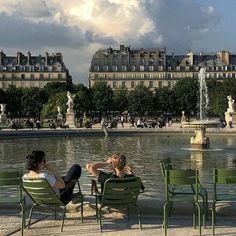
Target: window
(50, 76)
(160, 84)
(22, 76)
(41, 76)
(141, 68)
(31, 76)
(96, 68)
(59, 76)
(123, 67)
(169, 84)
(132, 84)
(123, 84)
(142, 83)
(114, 84)
(151, 68)
(105, 68)
(114, 68)
(133, 68)
(150, 84)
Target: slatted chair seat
(118, 193)
(42, 194)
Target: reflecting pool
(143, 151)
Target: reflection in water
(143, 152)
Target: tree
(32, 102)
(140, 100)
(14, 106)
(3, 97)
(102, 97)
(121, 99)
(49, 110)
(186, 95)
(163, 100)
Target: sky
(78, 28)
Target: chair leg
(82, 209)
(139, 217)
(194, 216)
(22, 218)
(30, 215)
(199, 218)
(96, 208)
(213, 217)
(100, 219)
(165, 223)
(63, 219)
(55, 213)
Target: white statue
(70, 102)
(3, 108)
(59, 110)
(230, 104)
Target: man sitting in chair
(39, 168)
(117, 162)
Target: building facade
(27, 71)
(154, 68)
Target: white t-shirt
(50, 178)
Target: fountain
(200, 141)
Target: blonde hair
(118, 161)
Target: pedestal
(70, 119)
(227, 115)
(3, 118)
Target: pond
(143, 151)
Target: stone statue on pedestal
(230, 114)
(3, 116)
(70, 114)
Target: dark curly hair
(34, 159)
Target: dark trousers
(73, 173)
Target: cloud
(78, 28)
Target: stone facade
(155, 68)
(32, 71)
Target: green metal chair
(221, 179)
(42, 194)
(118, 193)
(11, 192)
(180, 178)
(166, 164)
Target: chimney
(28, 58)
(224, 56)
(190, 55)
(18, 58)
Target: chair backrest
(11, 185)
(182, 177)
(224, 176)
(41, 192)
(121, 191)
(165, 164)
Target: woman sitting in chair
(39, 168)
(117, 162)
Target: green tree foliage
(32, 102)
(163, 100)
(56, 87)
(121, 99)
(140, 100)
(102, 97)
(14, 107)
(3, 97)
(186, 96)
(49, 110)
(82, 101)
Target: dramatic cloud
(77, 28)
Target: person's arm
(94, 167)
(59, 184)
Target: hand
(128, 170)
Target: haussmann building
(154, 68)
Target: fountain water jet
(200, 141)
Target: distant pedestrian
(230, 121)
